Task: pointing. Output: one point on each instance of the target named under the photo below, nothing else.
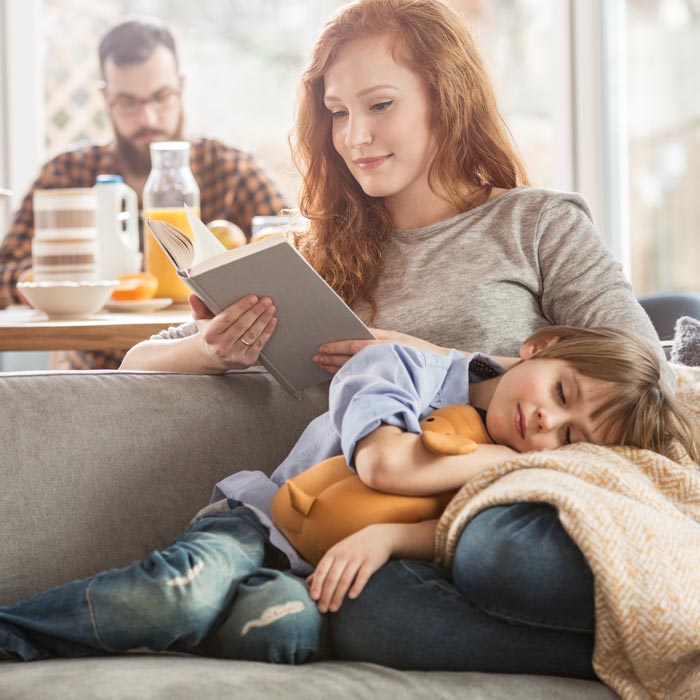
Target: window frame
(22, 133)
(598, 125)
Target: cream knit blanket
(635, 515)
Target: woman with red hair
(421, 217)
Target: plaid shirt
(232, 184)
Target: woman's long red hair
(348, 229)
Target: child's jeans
(208, 593)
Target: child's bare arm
(347, 566)
(394, 461)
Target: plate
(138, 306)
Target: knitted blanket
(635, 515)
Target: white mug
(64, 246)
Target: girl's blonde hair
(639, 409)
(348, 228)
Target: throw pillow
(686, 342)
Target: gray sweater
(486, 279)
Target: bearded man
(142, 90)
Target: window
(663, 94)
(517, 39)
(241, 60)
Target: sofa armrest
(99, 468)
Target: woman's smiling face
(381, 121)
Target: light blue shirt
(387, 383)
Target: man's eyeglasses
(163, 100)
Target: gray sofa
(99, 468)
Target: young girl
(421, 218)
(600, 385)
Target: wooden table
(22, 328)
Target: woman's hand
(332, 356)
(347, 566)
(233, 339)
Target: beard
(136, 159)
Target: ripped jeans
(214, 591)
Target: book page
(206, 244)
(175, 244)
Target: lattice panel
(73, 105)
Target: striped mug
(64, 247)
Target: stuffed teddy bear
(328, 501)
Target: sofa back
(99, 468)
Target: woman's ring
(245, 342)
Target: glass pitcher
(170, 185)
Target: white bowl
(61, 299)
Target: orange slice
(135, 287)
(26, 276)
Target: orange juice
(169, 284)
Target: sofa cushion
(686, 342)
(169, 677)
(101, 468)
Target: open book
(309, 312)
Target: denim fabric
(412, 615)
(516, 562)
(209, 592)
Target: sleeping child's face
(544, 404)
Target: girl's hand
(346, 567)
(332, 356)
(233, 339)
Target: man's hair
(639, 410)
(133, 41)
